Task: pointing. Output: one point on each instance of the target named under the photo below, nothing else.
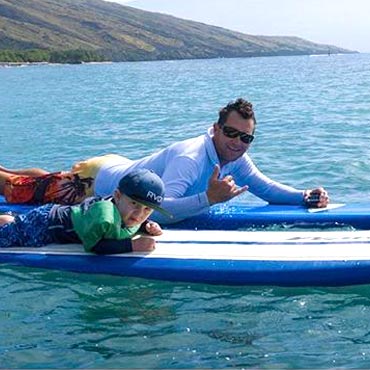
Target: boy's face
(132, 212)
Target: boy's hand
(143, 244)
(152, 228)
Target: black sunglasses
(232, 133)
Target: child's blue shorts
(27, 230)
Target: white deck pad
(240, 245)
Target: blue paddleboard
(239, 216)
(231, 216)
(281, 258)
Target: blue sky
(344, 23)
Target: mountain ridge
(109, 31)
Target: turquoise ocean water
(313, 129)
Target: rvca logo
(153, 196)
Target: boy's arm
(104, 234)
(142, 229)
(112, 246)
(100, 229)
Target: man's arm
(265, 188)
(179, 179)
(216, 190)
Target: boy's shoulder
(95, 207)
(94, 212)
(88, 202)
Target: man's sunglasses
(232, 133)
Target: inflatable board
(231, 216)
(299, 258)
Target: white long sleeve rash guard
(185, 168)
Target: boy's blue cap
(145, 187)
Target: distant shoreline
(31, 64)
(20, 64)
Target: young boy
(102, 225)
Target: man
(197, 173)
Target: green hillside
(95, 30)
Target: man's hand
(222, 190)
(316, 198)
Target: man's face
(230, 149)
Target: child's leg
(34, 226)
(33, 172)
(27, 230)
(5, 219)
(5, 174)
(9, 235)
(38, 186)
(35, 190)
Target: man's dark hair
(243, 107)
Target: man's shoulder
(190, 145)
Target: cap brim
(151, 205)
